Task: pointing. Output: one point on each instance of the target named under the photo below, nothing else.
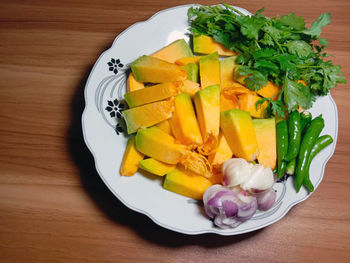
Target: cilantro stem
(257, 44)
(306, 66)
(274, 39)
(234, 9)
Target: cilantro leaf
(299, 47)
(316, 28)
(267, 40)
(266, 65)
(251, 25)
(296, 94)
(295, 22)
(264, 53)
(259, 11)
(287, 61)
(254, 78)
(323, 42)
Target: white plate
(104, 138)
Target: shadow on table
(112, 207)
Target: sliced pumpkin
(187, 183)
(154, 70)
(223, 153)
(206, 45)
(265, 131)
(131, 158)
(191, 71)
(269, 91)
(236, 89)
(159, 145)
(156, 167)
(184, 123)
(207, 102)
(165, 127)
(227, 70)
(228, 103)
(152, 94)
(187, 60)
(237, 127)
(174, 51)
(248, 102)
(209, 70)
(147, 115)
(189, 87)
(132, 84)
(217, 177)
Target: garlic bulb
(250, 177)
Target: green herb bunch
(279, 49)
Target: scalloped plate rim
(139, 210)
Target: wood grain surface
(53, 205)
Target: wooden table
(53, 205)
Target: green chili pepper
(282, 170)
(307, 183)
(308, 142)
(305, 119)
(282, 145)
(290, 168)
(294, 132)
(320, 144)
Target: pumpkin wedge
(147, 115)
(228, 103)
(155, 143)
(187, 60)
(156, 167)
(269, 91)
(248, 102)
(175, 50)
(152, 94)
(154, 70)
(159, 145)
(209, 70)
(132, 84)
(223, 153)
(236, 89)
(165, 127)
(184, 123)
(237, 127)
(189, 87)
(265, 130)
(187, 183)
(131, 158)
(207, 102)
(206, 45)
(227, 70)
(191, 71)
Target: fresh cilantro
(296, 94)
(316, 28)
(279, 49)
(299, 47)
(275, 107)
(323, 41)
(264, 53)
(292, 21)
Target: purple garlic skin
(266, 199)
(229, 207)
